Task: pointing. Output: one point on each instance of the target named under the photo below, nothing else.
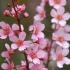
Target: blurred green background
(31, 5)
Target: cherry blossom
(59, 16)
(35, 55)
(19, 42)
(5, 30)
(38, 50)
(61, 38)
(60, 57)
(8, 53)
(8, 66)
(41, 14)
(19, 10)
(37, 29)
(38, 67)
(57, 3)
(41, 43)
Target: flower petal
(66, 60)
(60, 64)
(36, 61)
(66, 44)
(62, 23)
(53, 13)
(14, 46)
(15, 27)
(4, 66)
(66, 16)
(61, 11)
(22, 35)
(5, 54)
(7, 46)
(54, 20)
(40, 35)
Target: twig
(17, 18)
(49, 53)
(18, 22)
(27, 63)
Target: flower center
(61, 39)
(19, 42)
(42, 14)
(57, 1)
(59, 17)
(6, 31)
(33, 55)
(59, 57)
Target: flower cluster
(20, 9)
(39, 50)
(60, 36)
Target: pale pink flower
(26, 14)
(19, 9)
(41, 11)
(8, 53)
(60, 57)
(67, 28)
(38, 67)
(8, 65)
(61, 38)
(59, 16)
(6, 13)
(43, 2)
(41, 14)
(41, 43)
(19, 42)
(37, 29)
(35, 55)
(57, 3)
(5, 30)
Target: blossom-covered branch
(38, 50)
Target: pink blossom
(35, 55)
(37, 29)
(19, 8)
(26, 14)
(7, 66)
(59, 16)
(19, 42)
(5, 30)
(60, 57)
(61, 38)
(38, 67)
(57, 3)
(41, 14)
(6, 13)
(8, 53)
(41, 42)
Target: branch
(18, 22)
(49, 53)
(27, 63)
(17, 18)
